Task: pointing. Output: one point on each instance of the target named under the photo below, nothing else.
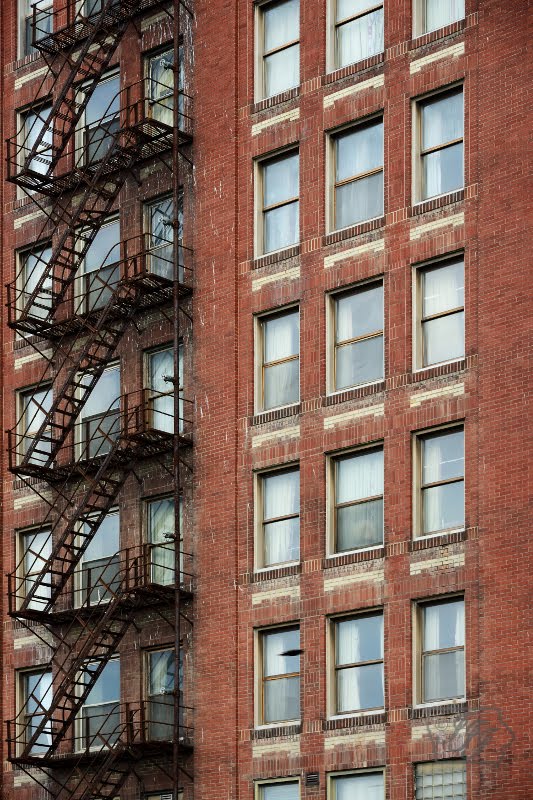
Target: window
(440, 144)
(160, 388)
(99, 423)
(161, 86)
(279, 502)
(442, 657)
(33, 441)
(161, 527)
(357, 325)
(33, 277)
(161, 680)
(159, 226)
(37, 131)
(100, 714)
(358, 500)
(278, 790)
(356, 786)
(358, 647)
(358, 30)
(358, 174)
(100, 268)
(36, 548)
(101, 120)
(441, 464)
(440, 780)
(93, 7)
(100, 567)
(279, 203)
(44, 21)
(36, 696)
(434, 14)
(441, 300)
(279, 380)
(278, 32)
(280, 675)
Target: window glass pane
(280, 179)
(359, 313)
(444, 625)
(443, 12)
(442, 120)
(37, 549)
(359, 639)
(161, 529)
(105, 394)
(444, 675)
(281, 336)
(282, 70)
(443, 170)
(360, 38)
(443, 288)
(359, 151)
(359, 688)
(105, 247)
(359, 200)
(281, 541)
(281, 384)
(281, 227)
(279, 791)
(442, 456)
(443, 507)
(281, 23)
(100, 563)
(161, 672)
(444, 338)
(37, 695)
(359, 476)
(360, 362)
(274, 646)
(281, 699)
(104, 101)
(34, 266)
(35, 406)
(359, 787)
(281, 494)
(107, 687)
(349, 8)
(34, 124)
(360, 525)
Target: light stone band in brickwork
(457, 560)
(372, 83)
(454, 51)
(354, 739)
(452, 390)
(283, 433)
(429, 227)
(269, 595)
(349, 416)
(288, 116)
(370, 247)
(285, 275)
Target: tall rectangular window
(434, 14)
(441, 335)
(440, 780)
(358, 500)
(358, 336)
(161, 527)
(101, 120)
(100, 269)
(33, 265)
(278, 790)
(278, 34)
(100, 567)
(356, 786)
(36, 547)
(280, 675)
(37, 132)
(99, 424)
(441, 144)
(279, 535)
(43, 23)
(36, 696)
(99, 718)
(279, 336)
(442, 651)
(358, 30)
(441, 457)
(161, 681)
(159, 229)
(358, 174)
(160, 389)
(35, 405)
(279, 202)
(161, 86)
(358, 683)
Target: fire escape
(75, 173)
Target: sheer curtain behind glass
(161, 367)
(442, 123)
(443, 470)
(359, 175)
(359, 685)
(359, 787)
(281, 59)
(280, 202)
(161, 530)
(359, 337)
(444, 630)
(281, 695)
(360, 36)
(281, 520)
(359, 523)
(161, 681)
(280, 791)
(444, 333)
(281, 364)
(440, 13)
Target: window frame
(426, 765)
(82, 158)
(79, 744)
(332, 56)
(258, 785)
(418, 318)
(22, 255)
(81, 299)
(259, 520)
(259, 343)
(417, 103)
(418, 486)
(261, 209)
(23, 433)
(331, 505)
(417, 612)
(331, 343)
(332, 670)
(260, 54)
(149, 697)
(22, 577)
(81, 597)
(25, 19)
(146, 502)
(80, 439)
(331, 776)
(259, 638)
(22, 696)
(151, 394)
(331, 170)
(419, 19)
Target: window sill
(444, 709)
(374, 717)
(353, 69)
(436, 370)
(438, 34)
(438, 540)
(354, 393)
(276, 99)
(281, 571)
(275, 257)
(353, 557)
(353, 230)
(276, 413)
(293, 728)
(424, 206)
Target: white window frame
(419, 19)
(331, 794)
(259, 477)
(259, 785)
(79, 432)
(79, 732)
(80, 280)
(259, 635)
(80, 156)
(332, 26)
(23, 16)
(259, 230)
(81, 596)
(417, 623)
(259, 320)
(259, 71)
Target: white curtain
(162, 87)
(359, 476)
(359, 640)
(281, 25)
(360, 38)
(161, 526)
(281, 498)
(440, 13)
(359, 313)
(360, 787)
(281, 339)
(282, 70)
(442, 121)
(281, 184)
(444, 627)
(443, 458)
(161, 367)
(359, 151)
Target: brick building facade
(355, 200)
